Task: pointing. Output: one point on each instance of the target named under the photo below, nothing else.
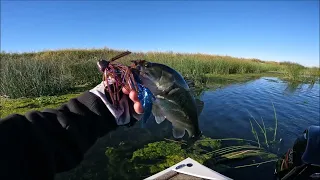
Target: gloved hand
(130, 105)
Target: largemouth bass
(173, 101)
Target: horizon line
(149, 51)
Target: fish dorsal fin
(178, 132)
(200, 105)
(190, 83)
(158, 115)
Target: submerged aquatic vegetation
(157, 156)
(162, 154)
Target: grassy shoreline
(24, 105)
(58, 72)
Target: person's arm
(39, 144)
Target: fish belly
(180, 109)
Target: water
(226, 112)
(225, 115)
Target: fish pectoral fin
(200, 105)
(159, 119)
(178, 132)
(158, 115)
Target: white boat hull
(192, 168)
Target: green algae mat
(126, 162)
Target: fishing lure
(146, 98)
(116, 76)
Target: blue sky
(280, 31)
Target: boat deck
(173, 175)
(188, 169)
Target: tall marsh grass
(293, 71)
(53, 72)
(21, 77)
(297, 73)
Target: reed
(293, 71)
(54, 72)
(271, 143)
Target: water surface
(227, 110)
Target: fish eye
(146, 65)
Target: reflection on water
(225, 115)
(292, 87)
